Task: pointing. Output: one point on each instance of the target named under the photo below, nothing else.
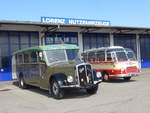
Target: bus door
(38, 67)
(34, 67)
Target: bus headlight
(70, 79)
(98, 74)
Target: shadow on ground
(119, 81)
(69, 94)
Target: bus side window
(33, 56)
(84, 56)
(100, 56)
(109, 58)
(26, 58)
(19, 59)
(16, 57)
(91, 56)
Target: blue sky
(119, 12)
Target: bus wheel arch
(55, 82)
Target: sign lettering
(72, 21)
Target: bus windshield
(60, 55)
(131, 55)
(72, 54)
(121, 56)
(55, 55)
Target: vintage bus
(54, 68)
(113, 62)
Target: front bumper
(124, 75)
(85, 86)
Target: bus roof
(49, 47)
(104, 48)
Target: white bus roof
(104, 48)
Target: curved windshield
(55, 55)
(61, 55)
(121, 56)
(72, 54)
(131, 55)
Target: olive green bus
(54, 68)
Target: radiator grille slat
(85, 74)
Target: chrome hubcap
(55, 88)
(21, 82)
(105, 77)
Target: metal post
(80, 42)
(41, 38)
(111, 39)
(138, 48)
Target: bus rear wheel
(105, 77)
(22, 84)
(127, 78)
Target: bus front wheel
(92, 90)
(56, 91)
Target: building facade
(16, 35)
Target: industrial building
(87, 34)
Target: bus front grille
(85, 75)
(132, 69)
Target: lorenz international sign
(57, 20)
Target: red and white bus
(113, 62)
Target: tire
(127, 78)
(55, 90)
(105, 77)
(92, 90)
(22, 84)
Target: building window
(144, 46)
(61, 37)
(11, 41)
(29, 39)
(95, 40)
(14, 41)
(34, 39)
(58, 38)
(4, 50)
(126, 40)
(5, 62)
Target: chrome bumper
(125, 75)
(78, 86)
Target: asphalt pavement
(116, 96)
